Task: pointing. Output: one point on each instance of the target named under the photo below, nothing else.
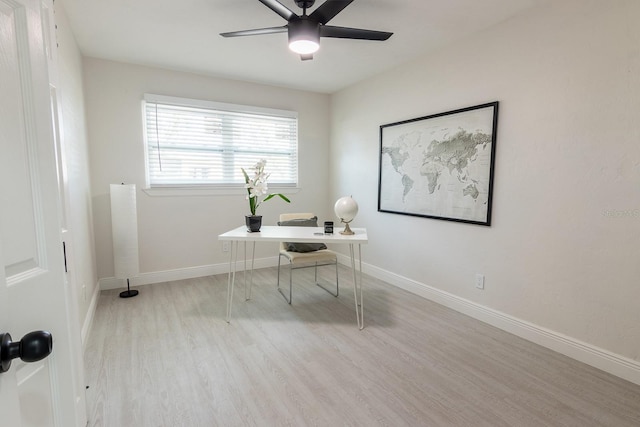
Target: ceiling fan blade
(306, 57)
(279, 8)
(256, 32)
(353, 33)
(327, 10)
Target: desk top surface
(295, 234)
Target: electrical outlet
(479, 281)
(225, 246)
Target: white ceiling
(184, 35)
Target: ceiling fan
(305, 30)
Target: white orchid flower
(257, 186)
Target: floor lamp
(124, 228)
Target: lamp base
(347, 230)
(128, 293)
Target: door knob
(32, 347)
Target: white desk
(295, 234)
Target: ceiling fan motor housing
(303, 29)
(305, 4)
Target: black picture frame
(440, 166)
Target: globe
(346, 209)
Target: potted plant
(256, 188)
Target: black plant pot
(254, 222)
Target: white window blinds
(191, 143)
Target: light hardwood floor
(168, 358)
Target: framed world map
(440, 166)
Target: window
(192, 143)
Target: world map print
(439, 167)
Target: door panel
(17, 229)
(35, 407)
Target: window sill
(209, 191)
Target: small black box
(328, 227)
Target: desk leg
(357, 285)
(231, 279)
(244, 272)
(247, 290)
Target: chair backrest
(290, 216)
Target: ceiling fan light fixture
(304, 47)
(304, 36)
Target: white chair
(297, 260)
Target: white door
(33, 294)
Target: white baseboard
(607, 361)
(181, 274)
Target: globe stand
(347, 229)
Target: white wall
(562, 251)
(180, 232)
(80, 248)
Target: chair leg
(290, 298)
(278, 283)
(290, 281)
(326, 289)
